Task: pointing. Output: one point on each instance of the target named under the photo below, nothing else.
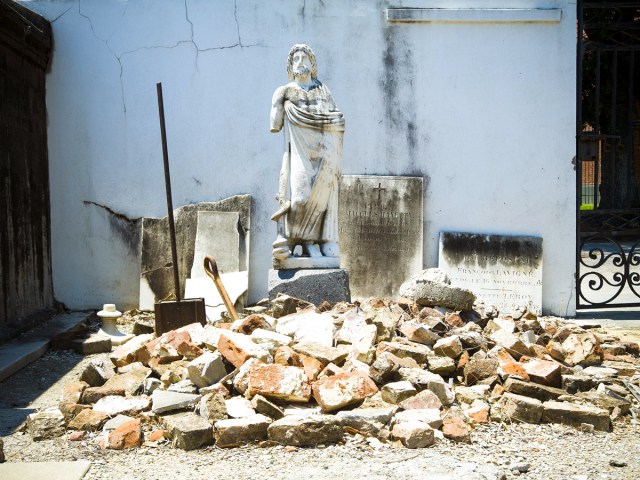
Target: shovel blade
(172, 314)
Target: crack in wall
(191, 41)
(60, 16)
(106, 43)
(118, 215)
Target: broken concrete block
(115, 422)
(384, 367)
(441, 365)
(330, 370)
(72, 392)
(271, 340)
(423, 379)
(150, 385)
(455, 429)
(396, 392)
(517, 407)
(114, 405)
(469, 395)
(308, 326)
(237, 431)
(430, 291)
(97, 372)
(213, 407)
(544, 372)
(575, 415)
(287, 357)
(598, 372)
(367, 420)
(448, 347)
(241, 380)
(606, 402)
(577, 383)
(477, 413)
(511, 343)
(533, 390)
(249, 324)
(207, 369)
(284, 305)
(126, 436)
(582, 349)
(238, 348)
(425, 399)
(165, 401)
(183, 386)
(623, 369)
(305, 431)
(429, 416)
(128, 352)
(413, 434)
(386, 321)
(415, 351)
(322, 353)
(93, 394)
(263, 406)
(188, 431)
(332, 393)
(46, 425)
(508, 367)
(131, 382)
(88, 420)
(239, 407)
(419, 333)
(479, 369)
(280, 382)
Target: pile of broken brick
(302, 375)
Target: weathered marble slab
(156, 271)
(217, 235)
(503, 270)
(381, 232)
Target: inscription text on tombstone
(380, 225)
(504, 270)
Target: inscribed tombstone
(501, 269)
(380, 225)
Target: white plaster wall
(485, 112)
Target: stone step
(27, 348)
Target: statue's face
(300, 64)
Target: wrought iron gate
(608, 145)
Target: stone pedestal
(314, 286)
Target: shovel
(211, 268)
(172, 314)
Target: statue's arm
(277, 109)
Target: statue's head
(306, 50)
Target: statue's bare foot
(313, 250)
(330, 249)
(281, 248)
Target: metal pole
(167, 181)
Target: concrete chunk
(575, 415)
(207, 369)
(338, 391)
(165, 401)
(304, 431)
(188, 431)
(413, 434)
(277, 381)
(518, 407)
(46, 425)
(237, 431)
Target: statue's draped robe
(315, 145)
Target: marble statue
(310, 173)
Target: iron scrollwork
(600, 251)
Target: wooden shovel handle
(211, 268)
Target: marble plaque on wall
(380, 224)
(501, 269)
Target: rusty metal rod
(167, 181)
